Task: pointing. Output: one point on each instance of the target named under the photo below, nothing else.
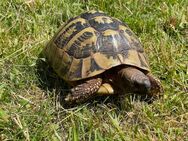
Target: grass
(31, 112)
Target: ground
(32, 110)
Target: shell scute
(102, 23)
(69, 31)
(82, 44)
(92, 43)
(91, 14)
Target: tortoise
(100, 55)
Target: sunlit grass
(31, 112)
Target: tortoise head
(134, 80)
(140, 84)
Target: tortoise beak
(142, 87)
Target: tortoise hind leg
(84, 91)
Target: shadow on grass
(49, 81)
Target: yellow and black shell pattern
(92, 43)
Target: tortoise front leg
(84, 91)
(156, 87)
(88, 89)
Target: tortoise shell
(92, 43)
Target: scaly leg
(89, 89)
(84, 91)
(156, 87)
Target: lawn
(30, 104)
